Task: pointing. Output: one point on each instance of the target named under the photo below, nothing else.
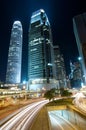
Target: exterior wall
(40, 49)
(76, 75)
(13, 74)
(79, 26)
(60, 67)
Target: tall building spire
(13, 74)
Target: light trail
(55, 124)
(23, 119)
(61, 122)
(78, 102)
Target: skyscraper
(40, 62)
(13, 74)
(79, 26)
(60, 67)
(76, 75)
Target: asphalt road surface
(22, 120)
(58, 123)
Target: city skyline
(60, 15)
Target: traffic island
(41, 121)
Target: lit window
(35, 67)
(33, 49)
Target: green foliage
(63, 101)
(50, 94)
(66, 93)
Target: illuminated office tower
(13, 74)
(79, 26)
(60, 67)
(40, 62)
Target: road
(23, 119)
(80, 101)
(59, 123)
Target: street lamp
(79, 58)
(24, 82)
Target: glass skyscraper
(79, 26)
(40, 62)
(60, 67)
(13, 74)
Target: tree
(50, 94)
(61, 91)
(66, 93)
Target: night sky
(60, 14)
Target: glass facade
(40, 62)
(13, 74)
(79, 27)
(60, 67)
